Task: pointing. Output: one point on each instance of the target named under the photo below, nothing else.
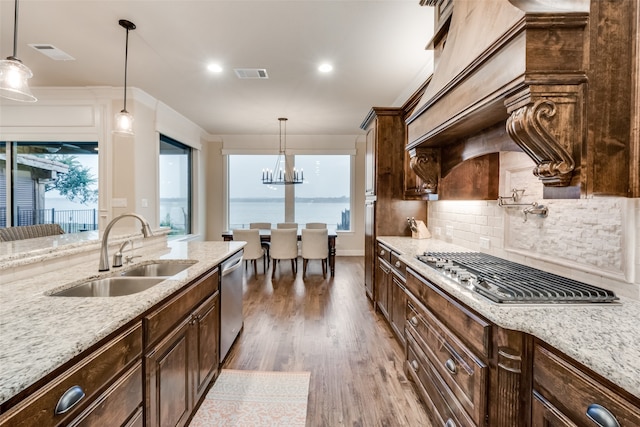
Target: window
(50, 182)
(325, 195)
(175, 186)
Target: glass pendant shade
(123, 123)
(14, 75)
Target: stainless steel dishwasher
(231, 319)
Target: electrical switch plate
(119, 203)
(449, 230)
(144, 203)
(485, 242)
(438, 231)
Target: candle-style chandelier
(283, 173)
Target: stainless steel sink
(110, 287)
(158, 269)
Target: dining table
(265, 236)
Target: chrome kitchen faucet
(104, 251)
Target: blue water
(243, 213)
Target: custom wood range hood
(552, 78)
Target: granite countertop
(38, 332)
(605, 338)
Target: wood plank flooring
(327, 327)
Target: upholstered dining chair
(315, 245)
(265, 245)
(281, 225)
(284, 245)
(315, 225)
(253, 250)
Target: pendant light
(13, 73)
(124, 119)
(282, 173)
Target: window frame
(190, 216)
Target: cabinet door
(370, 161)
(382, 287)
(398, 307)
(169, 397)
(369, 249)
(206, 358)
(544, 414)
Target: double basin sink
(133, 280)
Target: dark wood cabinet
(108, 378)
(383, 279)
(565, 393)
(398, 303)
(386, 210)
(184, 358)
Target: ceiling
(377, 49)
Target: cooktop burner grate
(505, 281)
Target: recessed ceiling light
(325, 68)
(214, 68)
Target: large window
(49, 182)
(175, 186)
(325, 195)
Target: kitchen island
(548, 356)
(40, 333)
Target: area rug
(255, 399)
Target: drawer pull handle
(415, 366)
(451, 366)
(69, 399)
(382, 252)
(450, 423)
(398, 264)
(414, 321)
(601, 416)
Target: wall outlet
(438, 231)
(449, 231)
(144, 203)
(118, 203)
(485, 242)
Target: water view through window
(325, 195)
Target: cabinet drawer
(118, 404)
(474, 331)
(160, 321)
(399, 267)
(465, 374)
(92, 374)
(573, 391)
(383, 252)
(433, 390)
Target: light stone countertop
(605, 338)
(38, 333)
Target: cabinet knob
(450, 423)
(601, 416)
(382, 252)
(69, 399)
(451, 366)
(414, 321)
(414, 365)
(398, 264)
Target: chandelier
(283, 173)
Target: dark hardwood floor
(327, 327)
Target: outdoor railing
(71, 221)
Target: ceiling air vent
(251, 73)
(52, 52)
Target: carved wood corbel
(527, 126)
(425, 162)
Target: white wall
(595, 240)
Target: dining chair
(265, 245)
(287, 225)
(253, 249)
(284, 245)
(315, 225)
(315, 245)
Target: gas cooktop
(503, 281)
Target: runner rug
(255, 399)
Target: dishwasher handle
(231, 265)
